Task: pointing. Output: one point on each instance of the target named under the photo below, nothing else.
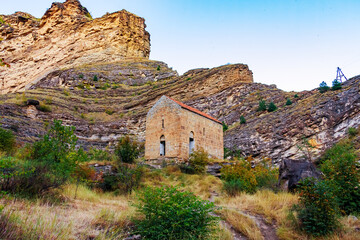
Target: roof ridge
(194, 110)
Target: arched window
(162, 145)
(191, 142)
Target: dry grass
(74, 219)
(273, 206)
(242, 223)
(200, 185)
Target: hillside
(96, 75)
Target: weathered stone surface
(66, 36)
(291, 172)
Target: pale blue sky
(294, 44)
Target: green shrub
(262, 106)
(95, 78)
(242, 119)
(296, 96)
(352, 131)
(198, 160)
(288, 102)
(81, 76)
(272, 107)
(7, 141)
(336, 85)
(340, 166)
(158, 68)
(225, 127)
(66, 92)
(44, 108)
(317, 209)
(323, 87)
(109, 111)
(128, 150)
(232, 153)
(124, 181)
(241, 177)
(172, 214)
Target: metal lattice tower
(340, 75)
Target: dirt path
(268, 231)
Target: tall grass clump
(167, 213)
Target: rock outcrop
(291, 172)
(65, 36)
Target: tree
(7, 140)
(262, 106)
(225, 127)
(323, 87)
(336, 85)
(272, 107)
(288, 102)
(128, 150)
(242, 119)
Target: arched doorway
(162, 145)
(191, 142)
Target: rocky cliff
(65, 36)
(95, 75)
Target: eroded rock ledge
(66, 36)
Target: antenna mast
(340, 75)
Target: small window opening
(162, 145)
(162, 123)
(203, 131)
(191, 143)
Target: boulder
(291, 172)
(32, 102)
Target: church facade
(175, 130)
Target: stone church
(174, 130)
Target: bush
(296, 96)
(172, 214)
(336, 85)
(288, 102)
(241, 177)
(128, 150)
(242, 119)
(352, 131)
(262, 106)
(323, 87)
(232, 153)
(125, 180)
(53, 159)
(225, 127)
(44, 108)
(95, 78)
(340, 166)
(7, 141)
(317, 208)
(272, 107)
(158, 68)
(198, 160)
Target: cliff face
(66, 36)
(108, 100)
(95, 75)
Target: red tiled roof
(194, 110)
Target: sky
(295, 44)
